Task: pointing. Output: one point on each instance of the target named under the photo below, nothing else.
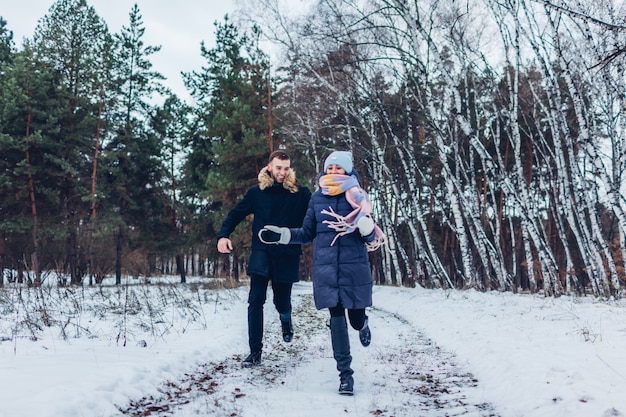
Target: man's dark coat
(281, 204)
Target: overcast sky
(178, 26)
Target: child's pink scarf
(335, 184)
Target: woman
(339, 218)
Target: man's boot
(253, 359)
(341, 353)
(287, 327)
(287, 330)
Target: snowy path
(299, 379)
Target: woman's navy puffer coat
(341, 272)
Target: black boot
(253, 359)
(346, 385)
(287, 330)
(341, 353)
(365, 335)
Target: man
(277, 200)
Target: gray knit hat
(341, 158)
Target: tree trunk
(94, 176)
(33, 205)
(119, 245)
(180, 265)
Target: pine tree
(106, 100)
(170, 125)
(6, 42)
(232, 143)
(134, 153)
(31, 108)
(69, 40)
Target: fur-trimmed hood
(266, 180)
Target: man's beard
(276, 179)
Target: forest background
(490, 136)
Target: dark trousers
(256, 300)
(355, 316)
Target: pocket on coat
(259, 263)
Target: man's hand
(224, 245)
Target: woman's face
(335, 169)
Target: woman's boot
(341, 353)
(365, 335)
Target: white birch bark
(413, 41)
(569, 178)
(513, 61)
(596, 241)
(612, 102)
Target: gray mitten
(275, 235)
(365, 225)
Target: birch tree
(508, 185)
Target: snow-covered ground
(175, 350)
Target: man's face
(279, 169)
